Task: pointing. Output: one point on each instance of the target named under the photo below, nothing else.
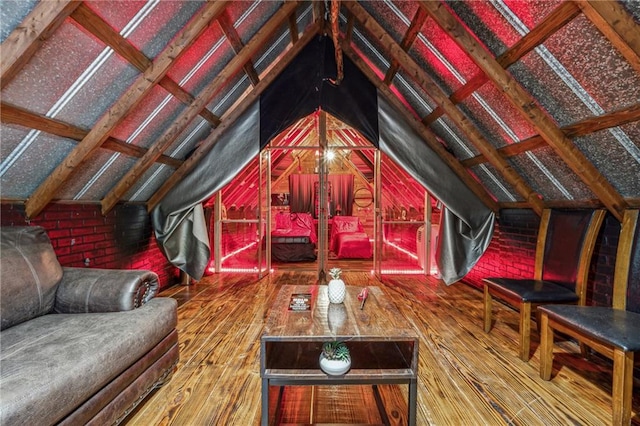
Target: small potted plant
(335, 358)
(337, 290)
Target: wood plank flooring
(467, 377)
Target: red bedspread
(348, 239)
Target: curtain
(301, 192)
(341, 194)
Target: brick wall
(82, 237)
(512, 254)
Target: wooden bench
(612, 331)
(566, 239)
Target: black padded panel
(304, 86)
(534, 291)
(565, 238)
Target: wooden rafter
(237, 46)
(407, 41)
(187, 116)
(557, 19)
(424, 132)
(93, 23)
(125, 104)
(522, 100)
(581, 128)
(617, 25)
(430, 86)
(293, 28)
(232, 115)
(10, 114)
(18, 48)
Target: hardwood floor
(467, 377)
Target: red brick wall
(82, 237)
(512, 254)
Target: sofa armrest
(104, 290)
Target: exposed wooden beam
(528, 107)
(558, 18)
(413, 69)
(581, 128)
(232, 115)
(93, 23)
(10, 114)
(348, 32)
(618, 27)
(407, 41)
(293, 28)
(237, 46)
(424, 132)
(18, 48)
(114, 115)
(187, 116)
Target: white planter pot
(337, 291)
(334, 367)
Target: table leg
(412, 401)
(265, 402)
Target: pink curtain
(301, 192)
(341, 194)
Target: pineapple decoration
(337, 290)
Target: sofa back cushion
(29, 274)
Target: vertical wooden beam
(528, 107)
(114, 115)
(27, 37)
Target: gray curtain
(466, 226)
(178, 220)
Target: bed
(294, 238)
(348, 239)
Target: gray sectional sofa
(77, 346)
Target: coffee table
(384, 348)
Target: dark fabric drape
(301, 192)
(466, 226)
(341, 194)
(179, 220)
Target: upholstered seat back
(29, 274)
(563, 247)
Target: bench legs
(487, 309)
(622, 386)
(525, 330)
(546, 347)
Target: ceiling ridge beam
(186, 117)
(580, 128)
(474, 135)
(423, 131)
(529, 109)
(557, 19)
(10, 114)
(407, 41)
(232, 115)
(615, 23)
(25, 40)
(93, 23)
(236, 44)
(119, 110)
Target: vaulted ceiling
(532, 103)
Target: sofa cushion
(52, 364)
(29, 272)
